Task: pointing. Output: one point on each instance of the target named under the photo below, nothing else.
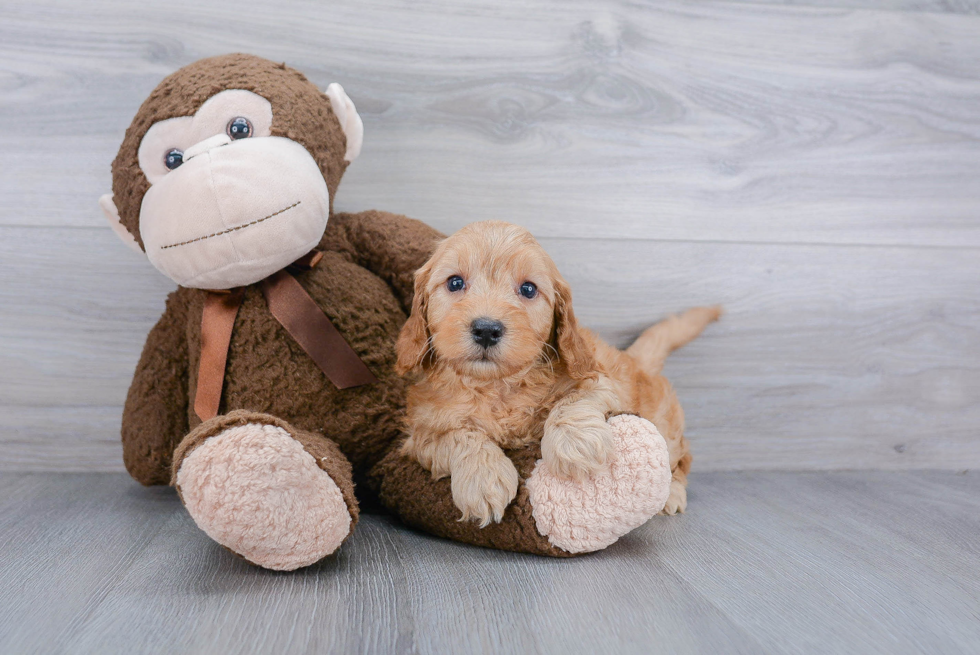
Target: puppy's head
(489, 303)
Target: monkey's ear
(112, 215)
(343, 107)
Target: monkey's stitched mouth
(232, 229)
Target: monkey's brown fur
(364, 284)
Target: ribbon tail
(305, 321)
(217, 322)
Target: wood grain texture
(869, 562)
(812, 168)
(970, 7)
(711, 121)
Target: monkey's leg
(550, 515)
(280, 497)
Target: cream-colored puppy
(504, 363)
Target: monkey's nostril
(487, 332)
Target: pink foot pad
(582, 517)
(256, 491)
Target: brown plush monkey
(268, 384)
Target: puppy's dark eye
(455, 283)
(239, 128)
(529, 290)
(173, 159)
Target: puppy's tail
(659, 340)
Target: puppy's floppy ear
(413, 340)
(572, 348)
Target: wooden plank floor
(811, 165)
(856, 562)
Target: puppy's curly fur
(541, 376)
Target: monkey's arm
(391, 246)
(155, 416)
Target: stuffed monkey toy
(268, 387)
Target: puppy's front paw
(577, 446)
(483, 486)
(677, 500)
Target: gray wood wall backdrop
(816, 169)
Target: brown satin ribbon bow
(297, 313)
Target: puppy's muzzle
(487, 332)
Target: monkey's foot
(253, 488)
(586, 516)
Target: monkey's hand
(155, 415)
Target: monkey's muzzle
(234, 212)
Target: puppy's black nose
(486, 331)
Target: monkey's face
(228, 204)
(232, 193)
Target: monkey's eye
(173, 159)
(455, 283)
(239, 128)
(529, 290)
